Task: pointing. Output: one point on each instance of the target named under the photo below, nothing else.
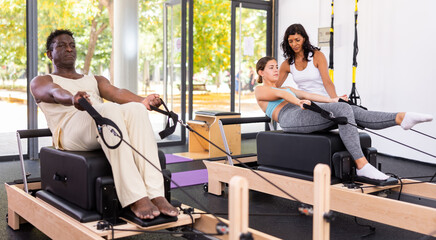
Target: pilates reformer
(205, 222)
(63, 210)
(293, 178)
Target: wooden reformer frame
(356, 202)
(23, 207)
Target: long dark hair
(307, 46)
(260, 65)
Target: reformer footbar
(101, 122)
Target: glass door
(174, 64)
(251, 40)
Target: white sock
(370, 171)
(411, 119)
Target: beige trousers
(134, 177)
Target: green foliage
(12, 38)
(75, 15)
(212, 20)
(150, 32)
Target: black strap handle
(325, 114)
(169, 129)
(100, 122)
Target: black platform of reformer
(296, 154)
(80, 184)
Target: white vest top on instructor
(309, 79)
(57, 114)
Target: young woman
(305, 62)
(285, 105)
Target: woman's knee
(344, 109)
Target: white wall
(395, 61)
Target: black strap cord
(100, 121)
(343, 120)
(228, 154)
(243, 164)
(423, 134)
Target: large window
(181, 43)
(13, 83)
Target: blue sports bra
(273, 104)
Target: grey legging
(294, 119)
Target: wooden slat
(321, 227)
(427, 190)
(46, 218)
(207, 224)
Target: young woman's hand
(301, 102)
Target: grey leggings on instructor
(296, 120)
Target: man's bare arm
(45, 90)
(114, 94)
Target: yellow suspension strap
(331, 68)
(354, 95)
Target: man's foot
(165, 207)
(371, 172)
(411, 119)
(144, 209)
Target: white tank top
(57, 114)
(309, 79)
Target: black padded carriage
(80, 183)
(296, 154)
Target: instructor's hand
(75, 99)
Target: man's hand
(75, 99)
(152, 100)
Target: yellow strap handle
(354, 74)
(331, 74)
